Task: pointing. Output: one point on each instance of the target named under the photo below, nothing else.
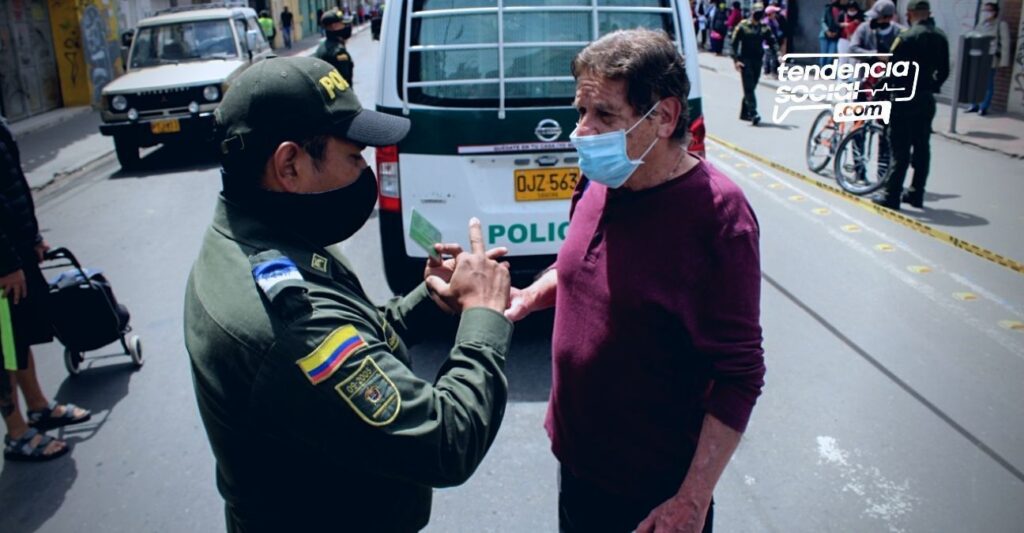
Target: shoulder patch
(269, 274)
(327, 358)
(371, 394)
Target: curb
(64, 177)
(64, 114)
(966, 142)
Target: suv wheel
(127, 152)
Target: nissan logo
(548, 130)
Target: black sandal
(44, 420)
(22, 449)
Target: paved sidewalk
(1002, 133)
(64, 141)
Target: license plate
(170, 125)
(545, 183)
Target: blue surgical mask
(603, 157)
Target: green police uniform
(910, 126)
(332, 49)
(315, 418)
(747, 40)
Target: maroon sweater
(656, 324)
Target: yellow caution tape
(868, 205)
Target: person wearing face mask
(332, 47)
(303, 384)
(910, 124)
(749, 40)
(656, 348)
(877, 36)
(992, 25)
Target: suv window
(185, 41)
(539, 47)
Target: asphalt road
(890, 404)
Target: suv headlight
(119, 103)
(211, 93)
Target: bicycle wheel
(821, 141)
(863, 160)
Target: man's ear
(668, 116)
(283, 175)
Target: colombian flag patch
(328, 357)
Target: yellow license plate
(170, 125)
(545, 183)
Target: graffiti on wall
(99, 62)
(1015, 102)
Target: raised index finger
(476, 237)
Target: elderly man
(657, 358)
(304, 385)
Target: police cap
(294, 98)
(330, 17)
(920, 5)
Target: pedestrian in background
(303, 384)
(849, 20)
(267, 25)
(999, 30)
(287, 21)
(24, 319)
(748, 43)
(319, 21)
(332, 48)
(719, 30)
(910, 125)
(828, 38)
(775, 21)
(656, 348)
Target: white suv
(180, 63)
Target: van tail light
(697, 136)
(387, 178)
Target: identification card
(423, 233)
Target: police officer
(748, 56)
(910, 126)
(304, 386)
(332, 48)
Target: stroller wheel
(72, 360)
(135, 350)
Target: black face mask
(880, 25)
(322, 218)
(340, 35)
(758, 15)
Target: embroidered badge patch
(371, 394)
(389, 334)
(328, 357)
(319, 262)
(270, 273)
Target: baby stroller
(84, 312)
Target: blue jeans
(987, 102)
(287, 36)
(828, 46)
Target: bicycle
(823, 140)
(863, 159)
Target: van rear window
(455, 58)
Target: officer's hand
(444, 265)
(15, 287)
(476, 281)
(738, 65)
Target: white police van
(488, 88)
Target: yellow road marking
(965, 296)
(868, 205)
(851, 228)
(885, 247)
(1014, 325)
(919, 269)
